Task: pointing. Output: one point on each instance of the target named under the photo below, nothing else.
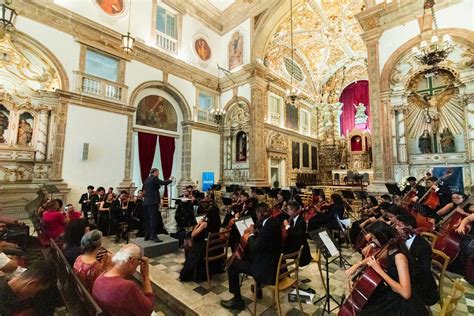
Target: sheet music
(198, 218)
(331, 247)
(243, 224)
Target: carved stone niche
(277, 142)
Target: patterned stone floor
(165, 269)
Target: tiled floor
(164, 273)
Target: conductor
(151, 204)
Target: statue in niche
(360, 116)
(241, 149)
(447, 141)
(4, 120)
(356, 143)
(424, 143)
(25, 130)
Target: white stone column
(51, 135)
(42, 135)
(402, 144)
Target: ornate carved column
(186, 155)
(469, 103)
(337, 111)
(126, 183)
(56, 173)
(379, 131)
(257, 157)
(42, 136)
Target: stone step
(153, 249)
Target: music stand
(328, 247)
(393, 189)
(51, 188)
(348, 195)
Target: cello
(449, 240)
(408, 197)
(367, 281)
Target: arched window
(241, 147)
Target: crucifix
(430, 113)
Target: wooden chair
(286, 277)
(439, 264)
(215, 243)
(430, 237)
(451, 301)
(165, 205)
(316, 257)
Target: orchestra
(395, 259)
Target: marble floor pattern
(164, 272)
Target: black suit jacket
(266, 248)
(424, 284)
(84, 206)
(152, 190)
(296, 238)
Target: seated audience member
(73, 233)
(54, 220)
(71, 212)
(196, 254)
(87, 267)
(118, 296)
(29, 290)
(296, 228)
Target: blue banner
(454, 181)
(207, 180)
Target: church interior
(259, 157)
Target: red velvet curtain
(167, 147)
(355, 93)
(146, 152)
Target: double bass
(449, 241)
(408, 197)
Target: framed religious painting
(305, 155)
(111, 7)
(155, 111)
(291, 117)
(314, 158)
(202, 48)
(295, 155)
(236, 50)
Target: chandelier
(127, 40)
(292, 93)
(430, 54)
(218, 115)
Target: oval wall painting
(202, 49)
(111, 7)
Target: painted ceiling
(326, 38)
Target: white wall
(205, 155)
(137, 73)
(106, 134)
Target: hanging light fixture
(218, 115)
(437, 50)
(293, 92)
(127, 40)
(7, 15)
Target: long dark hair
(74, 231)
(336, 199)
(213, 218)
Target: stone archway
(185, 125)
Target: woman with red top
(87, 267)
(54, 221)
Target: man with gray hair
(117, 295)
(151, 204)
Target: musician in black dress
(424, 284)
(264, 245)
(395, 295)
(194, 266)
(329, 219)
(104, 214)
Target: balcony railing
(203, 116)
(167, 42)
(275, 118)
(101, 88)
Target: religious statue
(360, 116)
(356, 143)
(241, 146)
(424, 143)
(25, 133)
(447, 141)
(3, 126)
